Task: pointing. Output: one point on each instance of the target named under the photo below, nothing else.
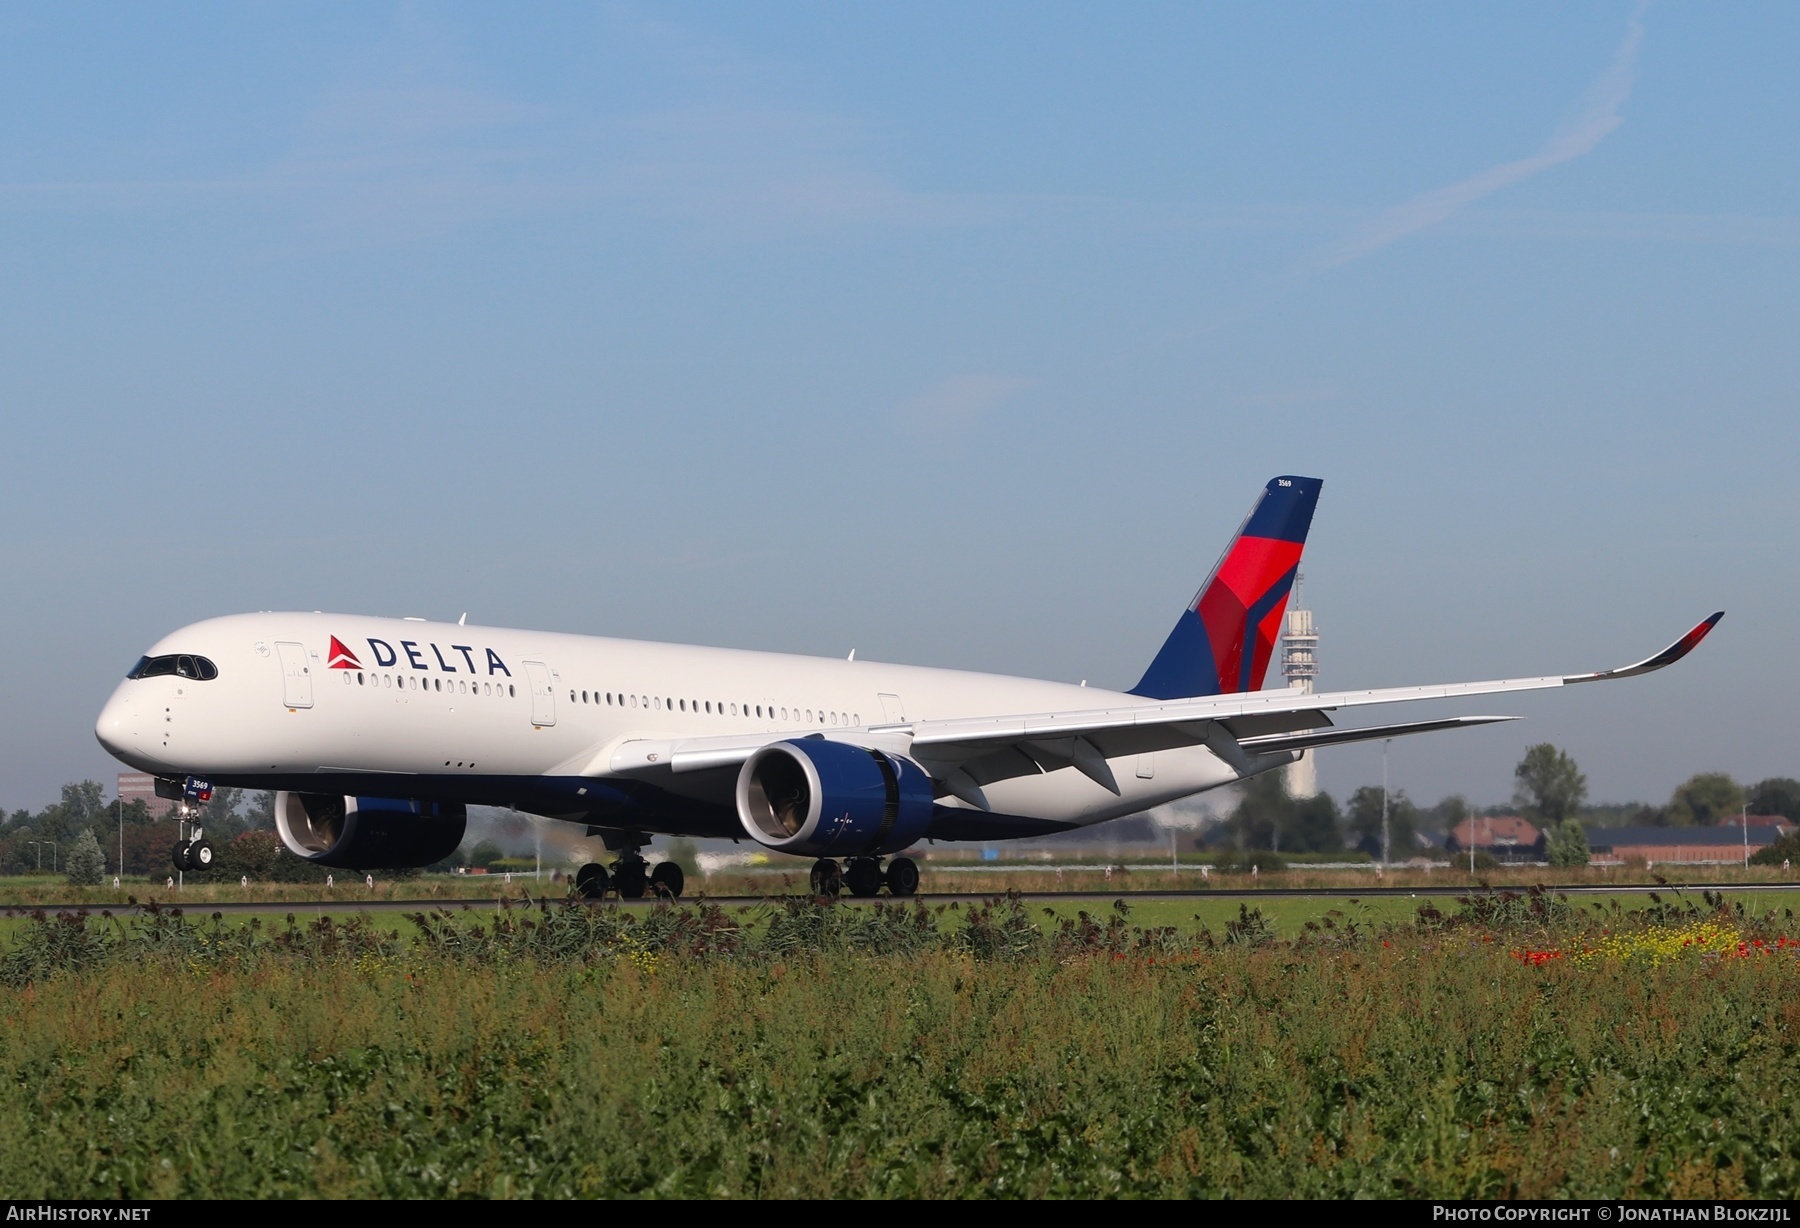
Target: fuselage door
(543, 693)
(296, 675)
(893, 712)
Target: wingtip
(1668, 656)
(1701, 630)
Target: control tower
(1300, 666)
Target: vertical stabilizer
(1224, 639)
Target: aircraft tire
(591, 881)
(200, 855)
(826, 878)
(863, 877)
(902, 877)
(666, 880)
(179, 855)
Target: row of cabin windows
(710, 707)
(658, 702)
(410, 682)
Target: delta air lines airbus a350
(377, 734)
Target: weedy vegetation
(806, 1049)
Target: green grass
(843, 1052)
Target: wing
(1249, 730)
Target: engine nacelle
(368, 833)
(820, 798)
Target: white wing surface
(1240, 728)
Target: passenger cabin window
(180, 665)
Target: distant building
(1300, 666)
(141, 787)
(1505, 836)
(1721, 845)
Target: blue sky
(959, 334)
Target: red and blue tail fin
(1225, 637)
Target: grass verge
(1506, 1046)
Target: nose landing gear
(191, 851)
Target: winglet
(1668, 656)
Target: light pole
(1385, 743)
(121, 837)
(40, 854)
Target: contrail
(1598, 116)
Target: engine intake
(821, 798)
(368, 833)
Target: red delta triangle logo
(341, 657)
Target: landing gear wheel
(629, 877)
(591, 881)
(666, 880)
(826, 878)
(179, 855)
(863, 877)
(200, 855)
(902, 876)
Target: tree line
(80, 834)
(1549, 790)
(83, 818)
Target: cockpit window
(181, 665)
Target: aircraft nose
(119, 726)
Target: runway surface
(489, 904)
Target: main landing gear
(631, 877)
(865, 877)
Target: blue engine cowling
(368, 833)
(820, 798)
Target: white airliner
(377, 734)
